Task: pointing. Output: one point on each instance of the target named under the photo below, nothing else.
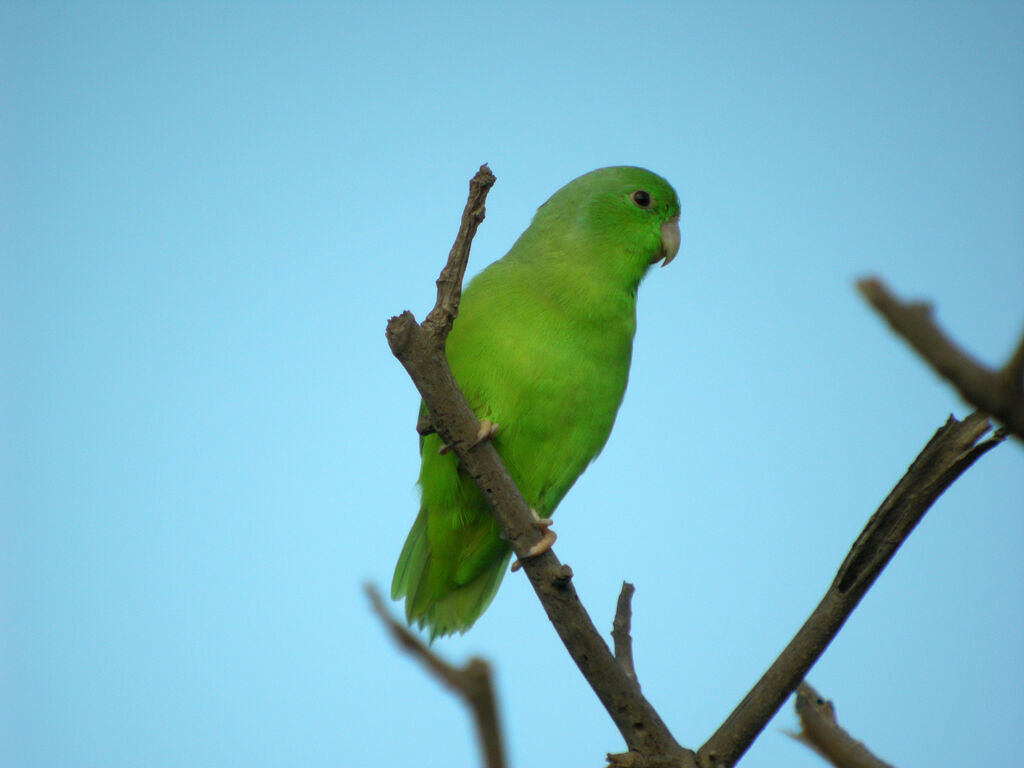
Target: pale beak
(669, 240)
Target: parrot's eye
(641, 197)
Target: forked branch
(947, 455)
(471, 682)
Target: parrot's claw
(546, 540)
(485, 430)
(541, 522)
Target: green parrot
(541, 349)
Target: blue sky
(210, 210)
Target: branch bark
(621, 630)
(420, 349)
(952, 449)
(472, 682)
(449, 284)
(821, 732)
(998, 393)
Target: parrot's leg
(485, 430)
(546, 540)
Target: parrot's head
(624, 218)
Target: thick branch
(998, 393)
(417, 348)
(948, 454)
(822, 733)
(472, 682)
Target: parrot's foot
(485, 430)
(547, 538)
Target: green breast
(550, 367)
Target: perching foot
(485, 430)
(547, 538)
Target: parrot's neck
(588, 301)
(585, 280)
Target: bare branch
(626, 760)
(449, 284)
(424, 425)
(1013, 371)
(419, 351)
(822, 733)
(472, 682)
(946, 456)
(620, 630)
(998, 393)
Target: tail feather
(410, 565)
(433, 600)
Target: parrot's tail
(446, 594)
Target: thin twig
(472, 682)
(449, 285)
(821, 732)
(620, 630)
(952, 449)
(417, 349)
(998, 393)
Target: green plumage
(541, 346)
